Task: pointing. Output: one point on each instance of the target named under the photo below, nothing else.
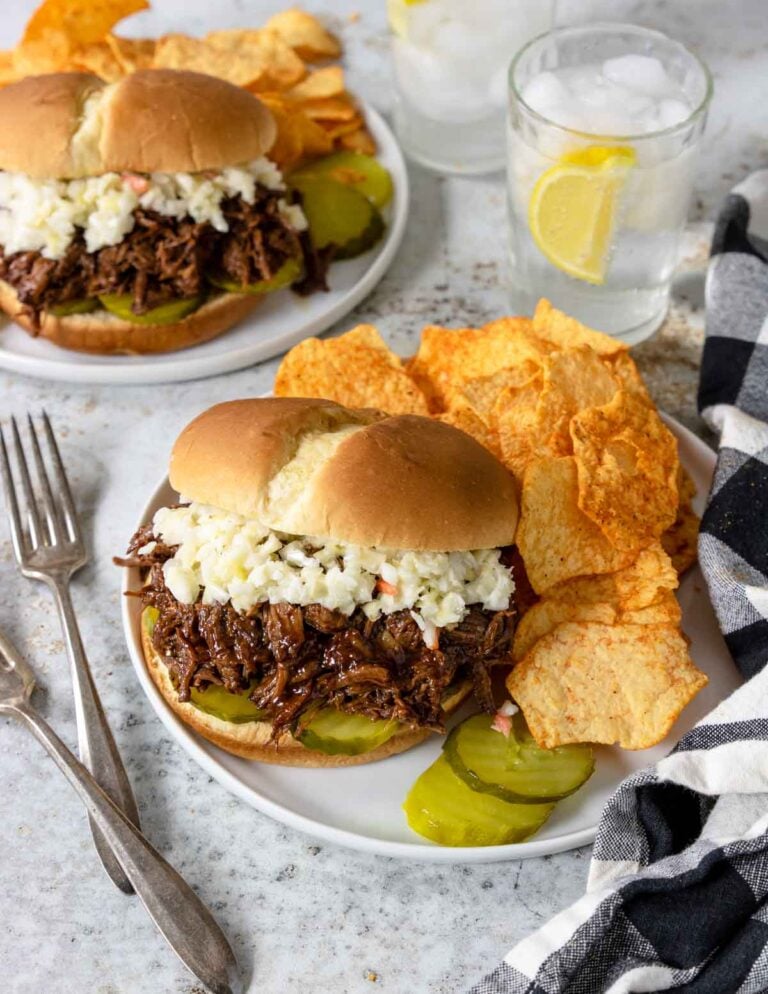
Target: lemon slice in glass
(573, 209)
(397, 12)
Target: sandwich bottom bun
(252, 740)
(102, 333)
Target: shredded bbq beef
(297, 659)
(165, 258)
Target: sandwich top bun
(312, 467)
(71, 125)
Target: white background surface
(303, 916)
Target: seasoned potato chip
(360, 140)
(274, 63)
(305, 35)
(643, 582)
(99, 59)
(589, 682)
(8, 73)
(43, 55)
(627, 469)
(356, 369)
(482, 392)
(132, 54)
(513, 418)
(331, 109)
(556, 539)
(550, 612)
(338, 129)
(320, 84)
(681, 539)
(449, 357)
(574, 379)
(624, 369)
(177, 51)
(566, 332)
(469, 422)
(80, 22)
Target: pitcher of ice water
(450, 61)
(604, 129)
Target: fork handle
(96, 744)
(182, 918)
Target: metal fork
(51, 548)
(183, 919)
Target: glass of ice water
(450, 60)
(605, 123)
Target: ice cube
(544, 92)
(639, 73)
(672, 112)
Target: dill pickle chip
(81, 306)
(225, 705)
(120, 304)
(441, 807)
(338, 215)
(288, 273)
(361, 172)
(335, 733)
(515, 769)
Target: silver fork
(51, 549)
(183, 919)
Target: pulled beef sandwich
(333, 583)
(143, 215)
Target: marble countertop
(302, 916)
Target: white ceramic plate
(281, 321)
(360, 806)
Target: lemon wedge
(573, 208)
(397, 12)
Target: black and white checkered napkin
(677, 896)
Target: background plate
(281, 321)
(360, 806)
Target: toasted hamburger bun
(102, 333)
(72, 125)
(313, 467)
(253, 739)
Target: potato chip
(288, 148)
(589, 682)
(359, 140)
(179, 51)
(132, 54)
(338, 129)
(469, 422)
(8, 73)
(556, 539)
(320, 84)
(664, 611)
(574, 380)
(627, 470)
(449, 357)
(275, 66)
(305, 35)
(49, 54)
(99, 59)
(557, 328)
(681, 539)
(643, 582)
(513, 418)
(624, 369)
(80, 22)
(482, 392)
(331, 109)
(547, 614)
(357, 369)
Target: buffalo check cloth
(677, 895)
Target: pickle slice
(288, 273)
(361, 172)
(339, 215)
(515, 769)
(120, 305)
(225, 705)
(74, 307)
(335, 733)
(441, 807)
(148, 618)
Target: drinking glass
(596, 215)
(450, 60)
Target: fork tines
(47, 509)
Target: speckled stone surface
(302, 916)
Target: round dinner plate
(361, 806)
(281, 320)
